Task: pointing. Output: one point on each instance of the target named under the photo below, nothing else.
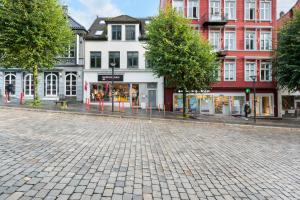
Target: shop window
(10, 78)
(135, 94)
(222, 105)
(95, 59)
(101, 91)
(51, 84)
(71, 79)
(28, 85)
(114, 58)
(288, 103)
(206, 104)
(132, 60)
(130, 32)
(116, 32)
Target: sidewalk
(80, 108)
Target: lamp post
(254, 89)
(113, 64)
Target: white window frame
(263, 69)
(31, 83)
(179, 9)
(247, 11)
(193, 3)
(71, 74)
(231, 71)
(51, 75)
(212, 40)
(263, 41)
(263, 10)
(249, 39)
(228, 39)
(227, 9)
(247, 64)
(215, 12)
(10, 82)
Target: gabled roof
(98, 30)
(74, 24)
(122, 19)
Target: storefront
(128, 88)
(264, 104)
(212, 103)
(290, 104)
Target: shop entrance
(152, 98)
(297, 105)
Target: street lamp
(113, 64)
(254, 88)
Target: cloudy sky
(85, 11)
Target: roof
(74, 24)
(98, 30)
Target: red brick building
(243, 32)
(285, 17)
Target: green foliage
(179, 54)
(32, 35)
(287, 60)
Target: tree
(32, 35)
(179, 54)
(287, 60)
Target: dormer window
(116, 32)
(130, 32)
(102, 22)
(98, 32)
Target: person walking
(8, 91)
(247, 109)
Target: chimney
(281, 14)
(65, 8)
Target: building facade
(289, 103)
(243, 33)
(119, 43)
(65, 80)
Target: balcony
(70, 61)
(215, 19)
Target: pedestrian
(9, 91)
(247, 110)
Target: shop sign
(110, 78)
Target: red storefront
(243, 32)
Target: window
(95, 59)
(114, 57)
(265, 41)
(71, 83)
(178, 6)
(230, 43)
(217, 73)
(229, 71)
(51, 84)
(10, 78)
(266, 72)
(250, 9)
(250, 41)
(70, 52)
(132, 59)
(230, 9)
(265, 11)
(28, 85)
(250, 70)
(214, 38)
(116, 32)
(215, 9)
(130, 32)
(193, 9)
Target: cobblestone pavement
(64, 156)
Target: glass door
(152, 98)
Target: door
(297, 105)
(152, 98)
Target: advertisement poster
(193, 103)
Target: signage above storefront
(110, 78)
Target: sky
(85, 11)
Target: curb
(188, 121)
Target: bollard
(150, 111)
(119, 109)
(159, 108)
(21, 98)
(102, 104)
(123, 106)
(164, 110)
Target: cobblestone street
(65, 156)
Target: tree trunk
(35, 73)
(184, 102)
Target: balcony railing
(215, 19)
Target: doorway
(152, 98)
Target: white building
(120, 41)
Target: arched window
(51, 84)
(10, 78)
(71, 84)
(28, 85)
